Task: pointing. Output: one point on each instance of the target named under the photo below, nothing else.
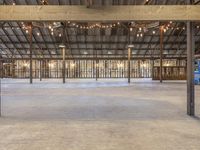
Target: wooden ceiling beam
(107, 13)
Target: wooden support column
(129, 65)
(1, 69)
(63, 63)
(13, 69)
(97, 69)
(152, 70)
(190, 69)
(139, 69)
(161, 53)
(31, 52)
(40, 70)
(1, 76)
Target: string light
(141, 30)
(72, 65)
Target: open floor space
(99, 75)
(104, 114)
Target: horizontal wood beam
(93, 58)
(105, 13)
(98, 42)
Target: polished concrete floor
(102, 115)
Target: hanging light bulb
(72, 65)
(141, 35)
(131, 29)
(154, 32)
(51, 65)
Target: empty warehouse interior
(99, 74)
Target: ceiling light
(85, 53)
(62, 46)
(130, 46)
(109, 52)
